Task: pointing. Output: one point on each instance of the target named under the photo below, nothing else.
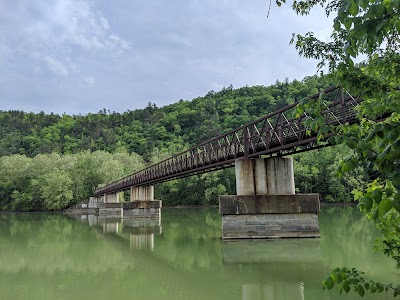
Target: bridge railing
(278, 133)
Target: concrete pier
(261, 176)
(266, 205)
(142, 193)
(142, 209)
(142, 205)
(111, 198)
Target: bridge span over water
(266, 205)
(279, 133)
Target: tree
(56, 190)
(369, 28)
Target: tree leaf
(384, 207)
(353, 9)
(328, 283)
(347, 22)
(360, 290)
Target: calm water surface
(48, 256)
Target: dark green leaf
(353, 9)
(368, 203)
(328, 283)
(384, 207)
(347, 23)
(360, 290)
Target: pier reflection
(280, 268)
(139, 232)
(47, 256)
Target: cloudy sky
(73, 56)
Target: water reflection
(278, 290)
(280, 268)
(45, 256)
(284, 250)
(140, 231)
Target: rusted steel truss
(279, 133)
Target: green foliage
(168, 129)
(53, 181)
(347, 279)
(56, 190)
(316, 172)
(150, 135)
(371, 29)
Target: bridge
(264, 176)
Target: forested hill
(151, 131)
(49, 162)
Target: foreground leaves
(370, 28)
(348, 279)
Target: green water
(50, 256)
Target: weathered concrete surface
(111, 198)
(135, 204)
(110, 212)
(268, 204)
(263, 176)
(270, 226)
(135, 209)
(153, 213)
(142, 204)
(142, 193)
(244, 172)
(280, 175)
(142, 209)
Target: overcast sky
(77, 56)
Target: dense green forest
(48, 161)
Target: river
(54, 256)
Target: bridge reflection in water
(45, 256)
(140, 231)
(298, 258)
(288, 263)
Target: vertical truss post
(342, 106)
(246, 141)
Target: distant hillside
(152, 131)
(38, 173)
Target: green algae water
(54, 256)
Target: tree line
(51, 161)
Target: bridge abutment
(266, 205)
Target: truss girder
(277, 133)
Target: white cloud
(182, 49)
(61, 66)
(89, 81)
(105, 24)
(64, 28)
(56, 66)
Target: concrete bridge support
(111, 198)
(142, 204)
(110, 208)
(266, 205)
(142, 193)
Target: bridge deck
(279, 133)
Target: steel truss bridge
(279, 133)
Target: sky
(80, 56)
